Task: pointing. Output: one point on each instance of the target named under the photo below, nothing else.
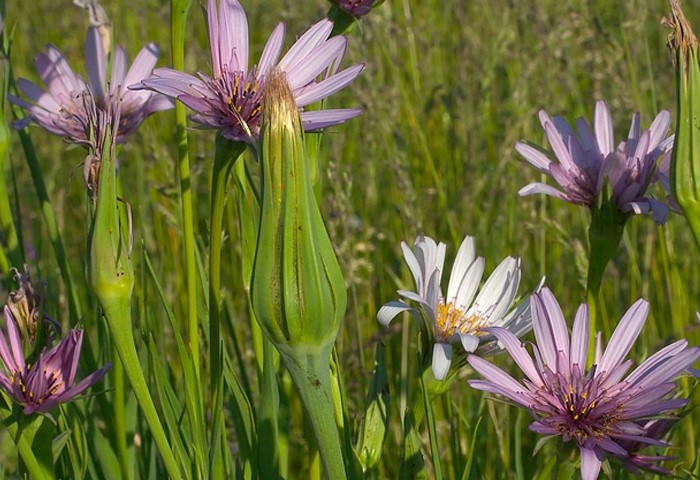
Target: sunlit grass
(448, 90)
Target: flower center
(577, 408)
(450, 320)
(241, 96)
(51, 384)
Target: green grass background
(450, 86)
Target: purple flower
(230, 100)
(356, 8)
(635, 462)
(595, 407)
(588, 158)
(460, 317)
(47, 382)
(60, 108)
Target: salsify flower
(459, 317)
(59, 108)
(40, 386)
(356, 8)
(586, 159)
(230, 100)
(595, 406)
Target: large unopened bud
(685, 160)
(298, 290)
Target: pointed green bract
(298, 290)
(685, 163)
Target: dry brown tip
(278, 99)
(682, 36)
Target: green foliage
(449, 88)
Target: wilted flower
(231, 100)
(47, 382)
(588, 158)
(594, 407)
(459, 317)
(60, 108)
(26, 304)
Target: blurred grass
(449, 88)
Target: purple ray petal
(624, 336)
(534, 156)
(96, 60)
(308, 68)
(328, 87)
(602, 124)
(518, 352)
(312, 38)
(233, 35)
(143, 65)
(271, 52)
(320, 119)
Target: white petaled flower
(462, 315)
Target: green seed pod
(685, 160)
(298, 290)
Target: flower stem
(24, 433)
(178, 16)
(310, 372)
(225, 156)
(604, 236)
(118, 313)
(119, 411)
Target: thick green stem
(36, 459)
(226, 154)
(118, 314)
(119, 411)
(310, 372)
(604, 236)
(178, 16)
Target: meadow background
(449, 87)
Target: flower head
(231, 99)
(593, 406)
(587, 158)
(47, 382)
(356, 8)
(459, 316)
(60, 110)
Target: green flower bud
(685, 163)
(374, 423)
(298, 290)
